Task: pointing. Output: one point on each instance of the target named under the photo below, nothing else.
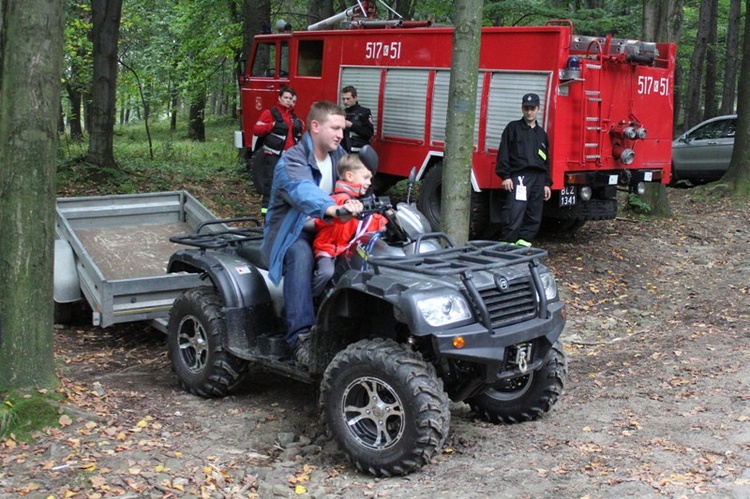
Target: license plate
(568, 195)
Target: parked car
(702, 154)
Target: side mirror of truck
(369, 157)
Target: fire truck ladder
(593, 126)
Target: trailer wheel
(430, 202)
(527, 397)
(195, 332)
(385, 407)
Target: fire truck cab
(606, 105)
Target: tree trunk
(662, 21)
(459, 133)
(317, 10)
(403, 7)
(256, 13)
(710, 105)
(173, 114)
(695, 77)
(60, 120)
(196, 125)
(31, 48)
(738, 174)
(731, 64)
(74, 96)
(106, 32)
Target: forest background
(177, 60)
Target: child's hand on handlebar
(351, 208)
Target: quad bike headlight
(443, 310)
(550, 285)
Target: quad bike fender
(247, 307)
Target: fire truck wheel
(385, 407)
(527, 397)
(194, 339)
(429, 203)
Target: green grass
(177, 161)
(23, 414)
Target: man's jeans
(298, 269)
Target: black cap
(530, 100)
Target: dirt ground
(657, 402)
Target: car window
(711, 130)
(731, 126)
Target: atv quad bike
(409, 322)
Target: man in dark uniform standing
(359, 127)
(523, 166)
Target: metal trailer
(113, 252)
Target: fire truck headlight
(627, 156)
(629, 133)
(585, 193)
(444, 310)
(641, 133)
(640, 188)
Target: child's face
(361, 176)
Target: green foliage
(620, 19)
(177, 161)
(637, 205)
(23, 414)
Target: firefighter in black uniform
(277, 129)
(523, 165)
(359, 127)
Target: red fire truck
(606, 104)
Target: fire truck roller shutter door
(440, 106)
(405, 103)
(367, 83)
(506, 89)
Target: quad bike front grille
(517, 304)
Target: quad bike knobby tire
(526, 397)
(194, 337)
(385, 407)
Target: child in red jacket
(334, 236)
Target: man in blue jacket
(302, 183)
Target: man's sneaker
(521, 242)
(301, 352)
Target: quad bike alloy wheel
(385, 407)
(195, 332)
